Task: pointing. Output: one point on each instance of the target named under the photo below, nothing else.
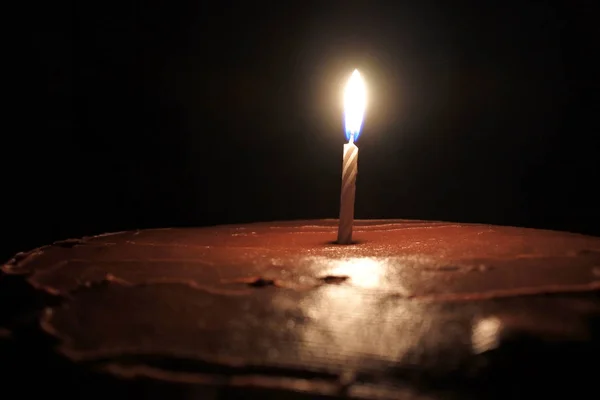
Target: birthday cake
(411, 309)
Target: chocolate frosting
(409, 309)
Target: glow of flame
(355, 100)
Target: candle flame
(355, 99)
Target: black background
(196, 113)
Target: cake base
(412, 309)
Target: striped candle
(349, 171)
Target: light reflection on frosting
(363, 272)
(344, 323)
(345, 320)
(485, 335)
(366, 320)
(385, 274)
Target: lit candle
(354, 109)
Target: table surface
(413, 309)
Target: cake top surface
(410, 258)
(279, 305)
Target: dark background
(191, 113)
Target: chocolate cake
(411, 309)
